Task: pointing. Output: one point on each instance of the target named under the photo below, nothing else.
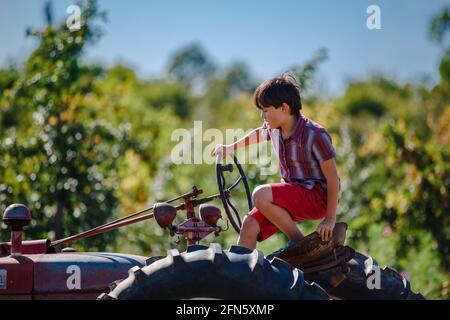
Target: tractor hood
(65, 275)
(79, 275)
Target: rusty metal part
(210, 214)
(192, 194)
(124, 220)
(28, 247)
(339, 256)
(195, 229)
(68, 275)
(188, 205)
(17, 216)
(313, 256)
(164, 214)
(312, 248)
(100, 229)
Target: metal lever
(227, 167)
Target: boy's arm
(329, 170)
(254, 136)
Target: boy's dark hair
(274, 92)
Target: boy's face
(276, 116)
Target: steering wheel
(225, 194)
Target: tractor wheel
(361, 282)
(210, 272)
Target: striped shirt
(300, 154)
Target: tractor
(313, 270)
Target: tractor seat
(312, 254)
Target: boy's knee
(262, 195)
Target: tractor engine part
(16, 216)
(164, 214)
(210, 214)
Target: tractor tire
(360, 281)
(212, 273)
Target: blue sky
(270, 36)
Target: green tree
(191, 66)
(57, 157)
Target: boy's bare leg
(249, 233)
(282, 220)
(262, 197)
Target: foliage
(83, 144)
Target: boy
(309, 188)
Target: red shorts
(301, 203)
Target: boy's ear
(285, 107)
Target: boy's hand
(325, 229)
(222, 149)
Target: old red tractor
(43, 269)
